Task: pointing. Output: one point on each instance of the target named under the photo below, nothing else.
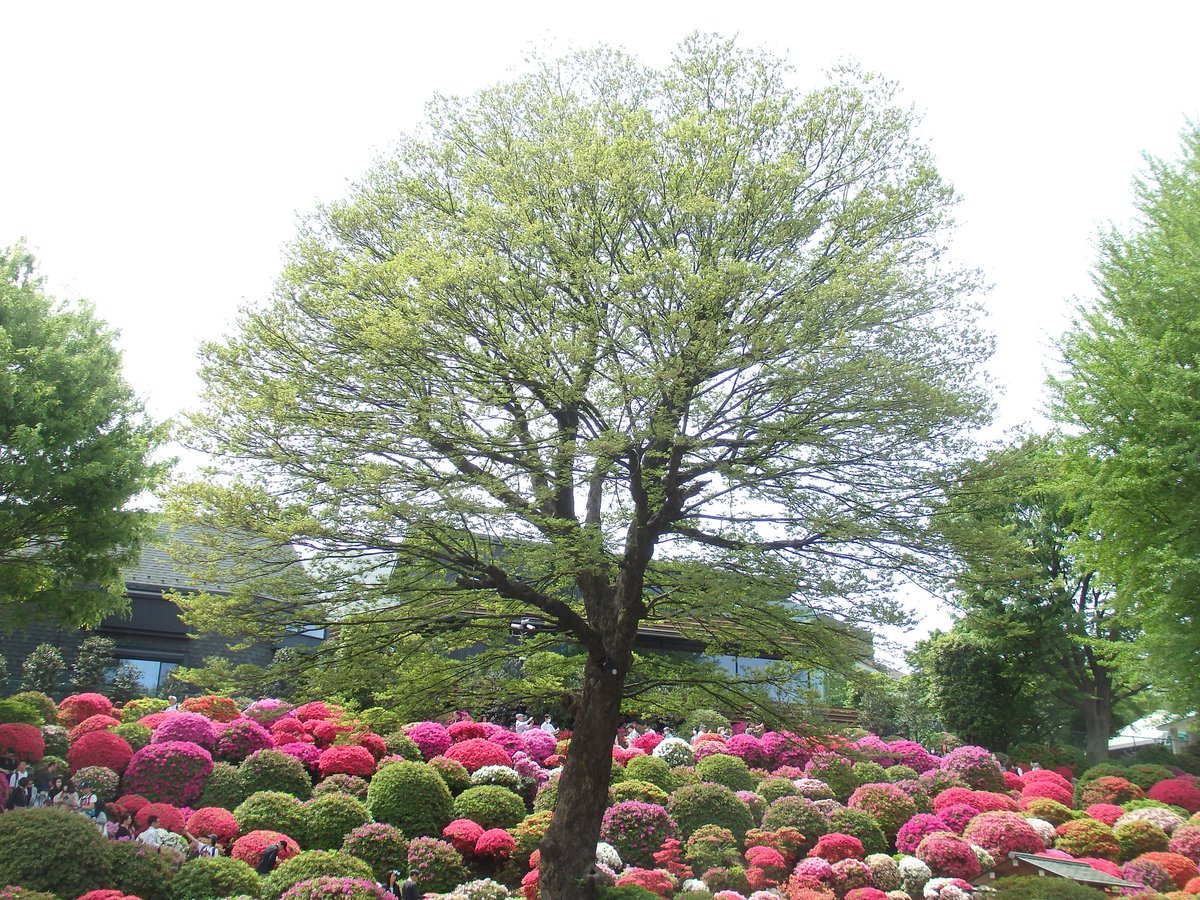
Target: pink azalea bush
(241, 737)
(170, 771)
(347, 759)
(186, 726)
(431, 738)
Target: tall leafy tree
(607, 344)
(1028, 591)
(1131, 389)
(75, 454)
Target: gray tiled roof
(158, 568)
(1075, 871)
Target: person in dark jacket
(409, 890)
(22, 795)
(266, 862)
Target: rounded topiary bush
(170, 772)
(1106, 789)
(637, 790)
(186, 726)
(836, 771)
(347, 759)
(475, 753)
(142, 871)
(249, 847)
(400, 744)
(213, 878)
(1035, 888)
(312, 864)
(326, 887)
(52, 850)
(637, 830)
(890, 806)
(710, 804)
(134, 733)
(342, 784)
(22, 741)
(949, 856)
(1001, 833)
(431, 738)
(720, 768)
(1087, 837)
(224, 788)
(213, 820)
(976, 767)
(490, 805)
(435, 865)
(219, 709)
(1138, 836)
(77, 707)
(383, 847)
(100, 748)
(271, 811)
(239, 738)
(46, 708)
(799, 813)
(454, 773)
(1180, 792)
(328, 818)
(649, 768)
(271, 770)
(861, 825)
(411, 796)
(105, 782)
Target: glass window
(153, 672)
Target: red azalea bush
(374, 744)
(170, 772)
(1177, 792)
(1108, 789)
(1179, 867)
(131, 803)
(1001, 833)
(495, 844)
(648, 742)
(153, 720)
(289, 728)
(249, 847)
(1049, 791)
(77, 707)
(917, 828)
(213, 820)
(467, 731)
(169, 817)
(186, 726)
(217, 709)
(654, 880)
(890, 806)
(317, 709)
(101, 748)
(22, 742)
(463, 835)
(239, 738)
(949, 856)
(958, 815)
(93, 723)
(348, 759)
(475, 753)
(833, 847)
(1108, 813)
(431, 738)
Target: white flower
(607, 854)
(1044, 829)
(675, 752)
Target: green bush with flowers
(328, 819)
(651, 769)
(412, 796)
(862, 825)
(270, 811)
(142, 871)
(47, 709)
(721, 768)
(1138, 836)
(214, 877)
(709, 804)
(490, 806)
(637, 790)
(435, 865)
(799, 813)
(135, 734)
(270, 770)
(312, 864)
(383, 847)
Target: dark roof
(158, 567)
(1071, 869)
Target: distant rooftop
(158, 568)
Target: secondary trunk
(569, 848)
(1097, 718)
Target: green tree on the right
(1130, 391)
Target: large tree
(1131, 391)
(607, 343)
(75, 456)
(1030, 598)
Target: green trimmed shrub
(709, 719)
(270, 770)
(1101, 770)
(528, 836)
(900, 773)
(52, 850)
(271, 811)
(135, 734)
(312, 864)
(1138, 837)
(870, 773)
(771, 789)
(490, 805)
(214, 878)
(435, 865)
(1031, 887)
(143, 706)
(224, 788)
(328, 819)
(651, 769)
(721, 768)
(382, 847)
(1146, 775)
(400, 744)
(141, 871)
(862, 825)
(547, 796)
(351, 785)
(45, 706)
(454, 773)
(14, 712)
(637, 790)
(800, 813)
(709, 846)
(411, 796)
(709, 804)
(681, 776)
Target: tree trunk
(1097, 717)
(569, 848)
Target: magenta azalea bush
(241, 737)
(168, 772)
(431, 738)
(186, 726)
(637, 830)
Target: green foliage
(46, 707)
(52, 850)
(126, 684)
(400, 744)
(77, 456)
(271, 811)
(1138, 837)
(490, 805)
(383, 847)
(93, 662)
(224, 788)
(727, 770)
(799, 813)
(771, 789)
(43, 669)
(1035, 888)
(342, 784)
(709, 804)
(143, 706)
(710, 719)
(14, 711)
(862, 825)
(869, 773)
(411, 796)
(312, 864)
(1131, 375)
(141, 871)
(270, 770)
(1145, 775)
(651, 769)
(711, 845)
(215, 878)
(970, 687)
(637, 790)
(329, 818)
(136, 734)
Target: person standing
(21, 797)
(548, 727)
(153, 835)
(21, 771)
(522, 723)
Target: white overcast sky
(156, 155)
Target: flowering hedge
(172, 772)
(101, 748)
(637, 830)
(186, 726)
(241, 737)
(217, 709)
(93, 723)
(347, 760)
(435, 865)
(475, 753)
(1177, 792)
(432, 739)
(949, 856)
(77, 707)
(22, 742)
(382, 847)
